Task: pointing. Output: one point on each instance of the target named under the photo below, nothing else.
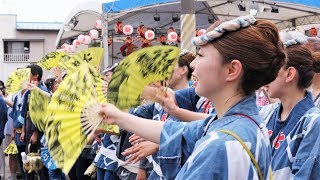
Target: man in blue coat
(3, 117)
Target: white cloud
(39, 10)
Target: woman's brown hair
(185, 60)
(258, 48)
(301, 58)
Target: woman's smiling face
(209, 72)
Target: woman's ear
(234, 70)
(290, 74)
(184, 70)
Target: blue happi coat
(106, 157)
(208, 154)
(187, 99)
(295, 142)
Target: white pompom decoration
(61, 50)
(201, 32)
(87, 40)
(98, 24)
(76, 43)
(173, 36)
(81, 38)
(127, 29)
(64, 46)
(149, 35)
(94, 34)
(71, 48)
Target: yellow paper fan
(51, 60)
(17, 80)
(11, 149)
(93, 56)
(137, 70)
(38, 104)
(73, 115)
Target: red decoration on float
(313, 32)
(118, 27)
(163, 39)
(141, 30)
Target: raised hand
(110, 113)
(168, 102)
(134, 139)
(141, 150)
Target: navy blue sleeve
(140, 111)
(13, 108)
(43, 88)
(25, 104)
(3, 116)
(25, 110)
(144, 111)
(177, 142)
(187, 98)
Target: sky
(40, 10)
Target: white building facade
(24, 43)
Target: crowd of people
(251, 112)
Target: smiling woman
(235, 58)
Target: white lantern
(71, 48)
(201, 32)
(64, 45)
(127, 29)
(81, 38)
(61, 50)
(66, 48)
(87, 40)
(172, 36)
(94, 34)
(76, 43)
(149, 35)
(98, 24)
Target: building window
(17, 47)
(16, 51)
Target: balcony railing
(16, 57)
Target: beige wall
(49, 38)
(43, 43)
(36, 51)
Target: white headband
(184, 52)
(110, 68)
(294, 41)
(232, 25)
